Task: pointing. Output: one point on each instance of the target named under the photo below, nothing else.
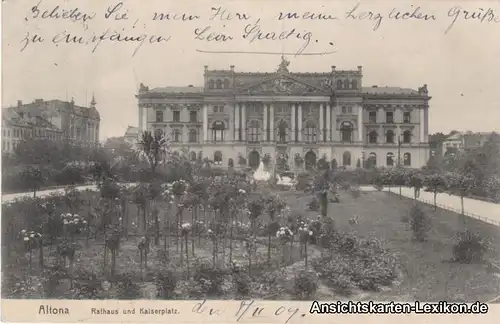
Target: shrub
(470, 248)
(355, 192)
(306, 284)
(209, 278)
(166, 282)
(420, 223)
(86, 286)
(242, 283)
(127, 288)
(303, 181)
(313, 204)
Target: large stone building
(52, 119)
(295, 118)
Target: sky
(460, 67)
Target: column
(264, 106)
(271, 122)
(237, 122)
(243, 122)
(293, 130)
(360, 123)
(299, 122)
(328, 122)
(140, 118)
(205, 123)
(321, 123)
(422, 125)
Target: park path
(43, 193)
(483, 210)
(486, 211)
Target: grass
(429, 273)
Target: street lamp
(399, 150)
(363, 158)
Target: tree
(32, 178)
(154, 148)
(415, 180)
(435, 182)
(37, 151)
(273, 205)
(462, 184)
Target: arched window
(372, 137)
(282, 131)
(158, 132)
(346, 84)
(193, 136)
(176, 135)
(372, 160)
(226, 84)
(346, 130)
(211, 84)
(218, 129)
(310, 132)
(389, 136)
(346, 158)
(406, 136)
(310, 160)
(354, 84)
(407, 159)
(218, 84)
(390, 159)
(339, 84)
(218, 157)
(253, 131)
(192, 156)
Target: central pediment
(282, 84)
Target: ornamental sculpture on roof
(283, 67)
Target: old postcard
(280, 161)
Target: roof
(15, 119)
(388, 90)
(188, 89)
(454, 137)
(131, 130)
(38, 106)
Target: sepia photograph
(270, 151)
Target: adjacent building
(459, 142)
(238, 118)
(132, 135)
(52, 119)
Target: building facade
(52, 119)
(291, 118)
(132, 135)
(459, 142)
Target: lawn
(429, 274)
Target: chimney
(19, 103)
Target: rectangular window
(389, 117)
(372, 117)
(159, 116)
(219, 109)
(407, 117)
(349, 110)
(177, 116)
(344, 110)
(193, 116)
